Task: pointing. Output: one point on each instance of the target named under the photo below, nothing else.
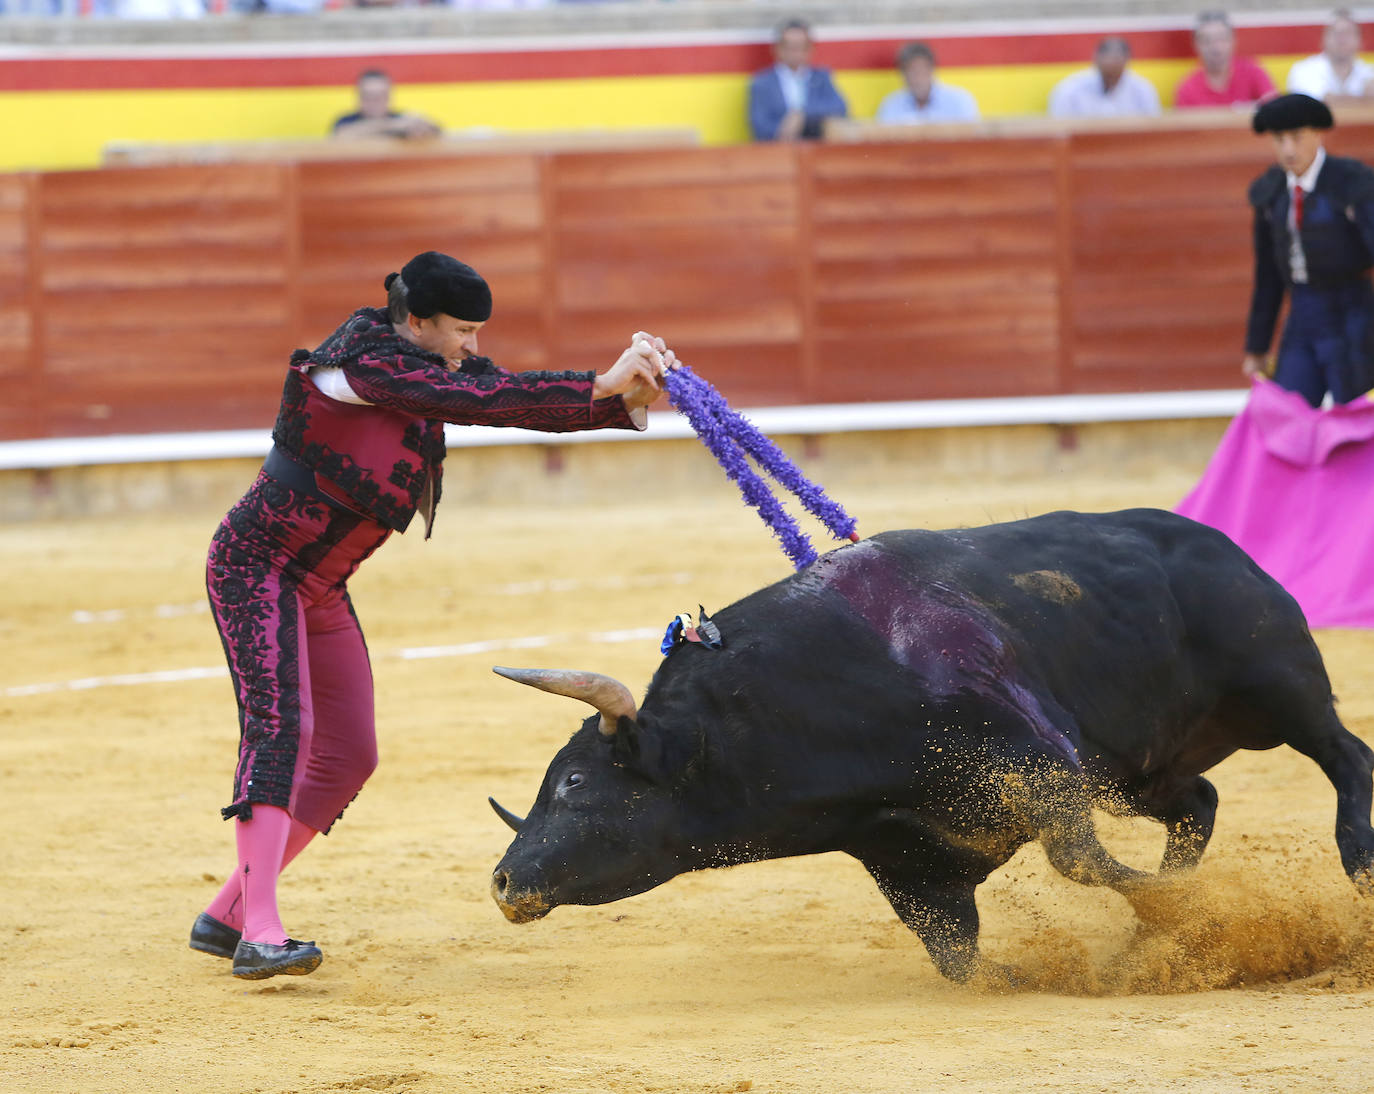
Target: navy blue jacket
(767, 107)
(1337, 238)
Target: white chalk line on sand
(514, 588)
(413, 653)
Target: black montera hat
(1292, 112)
(437, 283)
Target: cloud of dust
(1222, 927)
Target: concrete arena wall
(550, 475)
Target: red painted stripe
(66, 74)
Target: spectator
(1314, 239)
(1107, 89)
(925, 99)
(1336, 74)
(374, 116)
(1223, 79)
(275, 7)
(791, 100)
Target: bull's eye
(571, 781)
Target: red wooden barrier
(142, 299)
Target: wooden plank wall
(702, 249)
(159, 301)
(934, 269)
(166, 298)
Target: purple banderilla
(731, 438)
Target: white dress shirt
(1297, 259)
(946, 104)
(793, 86)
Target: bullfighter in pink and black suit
(358, 450)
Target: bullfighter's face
(1295, 149)
(454, 340)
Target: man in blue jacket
(1314, 237)
(791, 100)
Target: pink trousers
(276, 578)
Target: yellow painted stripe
(50, 130)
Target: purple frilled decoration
(732, 438)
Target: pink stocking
(228, 904)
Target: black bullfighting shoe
(259, 960)
(209, 935)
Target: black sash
(300, 478)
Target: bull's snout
(518, 904)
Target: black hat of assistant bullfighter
(1292, 112)
(437, 283)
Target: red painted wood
(170, 298)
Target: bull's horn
(506, 815)
(608, 695)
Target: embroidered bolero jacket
(383, 457)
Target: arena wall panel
(160, 299)
(940, 259)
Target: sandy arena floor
(789, 977)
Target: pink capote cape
(1294, 486)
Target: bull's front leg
(1188, 814)
(931, 886)
(944, 917)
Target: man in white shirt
(1106, 90)
(1336, 74)
(924, 99)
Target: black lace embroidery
(252, 585)
(398, 377)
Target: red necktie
(1297, 208)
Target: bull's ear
(639, 749)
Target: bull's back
(1136, 622)
(1154, 569)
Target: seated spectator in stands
(275, 7)
(1336, 74)
(1106, 90)
(374, 116)
(791, 100)
(149, 9)
(925, 99)
(1223, 79)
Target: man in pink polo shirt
(1223, 79)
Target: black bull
(928, 702)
